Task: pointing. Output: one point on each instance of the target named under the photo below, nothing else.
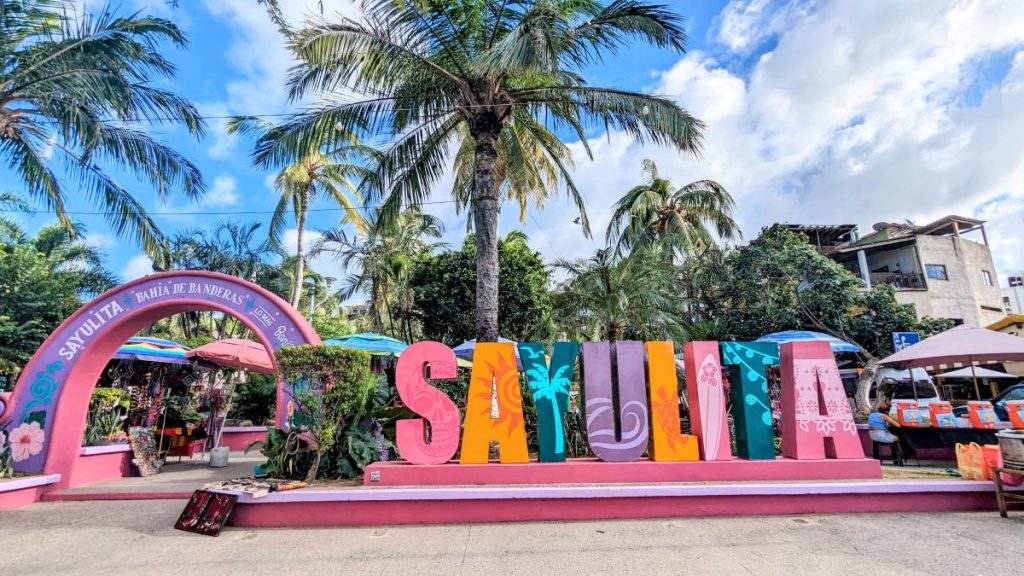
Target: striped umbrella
(370, 342)
(152, 350)
(809, 336)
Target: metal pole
(977, 391)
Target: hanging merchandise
(144, 448)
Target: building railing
(899, 280)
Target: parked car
(1015, 392)
(913, 384)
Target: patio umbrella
(464, 351)
(370, 342)
(235, 353)
(978, 372)
(152, 350)
(964, 344)
(809, 336)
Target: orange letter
(494, 369)
(427, 401)
(668, 443)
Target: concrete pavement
(136, 537)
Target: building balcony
(898, 280)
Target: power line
(205, 213)
(161, 119)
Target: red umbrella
(235, 353)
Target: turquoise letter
(550, 389)
(751, 410)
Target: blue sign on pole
(901, 340)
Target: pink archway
(51, 398)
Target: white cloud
(223, 193)
(137, 267)
(856, 116)
(259, 60)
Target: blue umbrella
(809, 336)
(465, 350)
(152, 350)
(370, 342)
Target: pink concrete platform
(101, 464)
(21, 491)
(436, 505)
(593, 471)
(238, 438)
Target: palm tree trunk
(486, 207)
(300, 254)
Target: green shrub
(332, 388)
(254, 399)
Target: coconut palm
(323, 168)
(66, 255)
(658, 212)
(499, 81)
(383, 258)
(608, 296)
(73, 92)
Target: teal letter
(550, 389)
(752, 413)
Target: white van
(914, 384)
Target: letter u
(616, 423)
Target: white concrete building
(1013, 295)
(934, 267)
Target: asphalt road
(136, 537)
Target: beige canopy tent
(964, 345)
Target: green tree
(500, 81)
(73, 92)
(656, 212)
(383, 258)
(443, 284)
(43, 280)
(611, 296)
(321, 169)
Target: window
(936, 271)
(987, 277)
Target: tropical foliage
(44, 278)
(444, 283)
(656, 212)
(321, 169)
(74, 91)
(380, 262)
(498, 82)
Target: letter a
(427, 401)
(494, 371)
(706, 394)
(668, 443)
(615, 433)
(816, 417)
(549, 386)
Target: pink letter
(706, 396)
(427, 401)
(816, 417)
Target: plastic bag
(993, 459)
(970, 460)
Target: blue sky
(818, 112)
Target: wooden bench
(1003, 497)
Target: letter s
(429, 402)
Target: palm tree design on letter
(548, 388)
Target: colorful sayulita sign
(630, 402)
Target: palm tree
(498, 81)
(316, 173)
(230, 248)
(66, 255)
(383, 257)
(658, 212)
(608, 295)
(73, 91)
